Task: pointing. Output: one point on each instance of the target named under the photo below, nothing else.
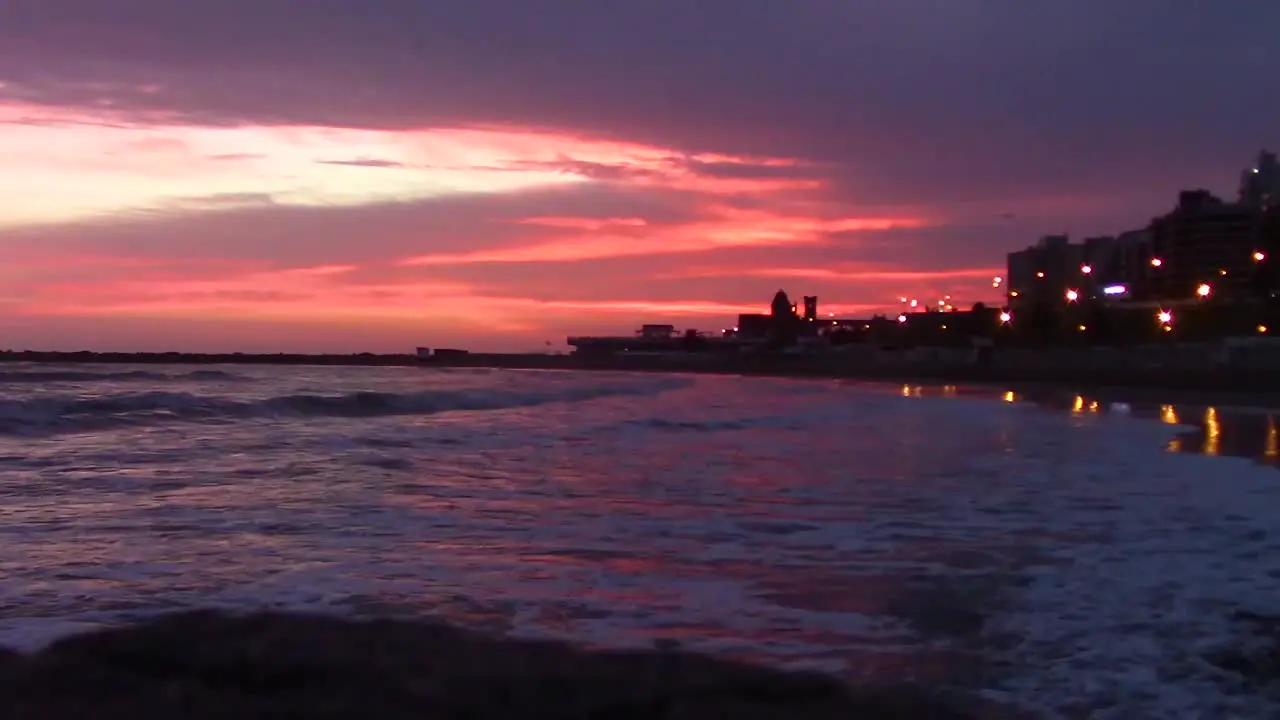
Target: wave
(61, 414)
(83, 376)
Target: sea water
(1063, 561)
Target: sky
(375, 175)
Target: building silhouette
(1260, 184)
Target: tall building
(1044, 273)
(1260, 184)
(1203, 241)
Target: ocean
(1071, 556)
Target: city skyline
(243, 176)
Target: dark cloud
(911, 97)
(364, 162)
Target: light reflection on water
(1210, 430)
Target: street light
(1072, 296)
(1165, 317)
(1156, 262)
(1005, 317)
(1086, 269)
(902, 318)
(1040, 274)
(1259, 256)
(1204, 290)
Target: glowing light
(1086, 269)
(1082, 328)
(1009, 396)
(1072, 296)
(1005, 317)
(1272, 448)
(1212, 432)
(902, 318)
(1168, 415)
(942, 303)
(1013, 293)
(1077, 406)
(1204, 290)
(915, 303)
(1115, 290)
(1262, 329)
(1165, 317)
(1040, 274)
(1156, 262)
(995, 281)
(1259, 256)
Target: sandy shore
(209, 665)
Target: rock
(207, 664)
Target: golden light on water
(1009, 396)
(1169, 415)
(1212, 432)
(1077, 406)
(1271, 450)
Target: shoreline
(1245, 390)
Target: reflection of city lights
(1077, 406)
(1072, 296)
(1212, 432)
(1093, 406)
(1204, 290)
(1156, 262)
(1086, 269)
(1009, 396)
(1272, 448)
(1005, 317)
(1168, 415)
(1259, 256)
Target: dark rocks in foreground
(207, 664)
(1256, 661)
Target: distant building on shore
(1260, 184)
(1044, 272)
(1203, 242)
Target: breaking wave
(55, 414)
(84, 376)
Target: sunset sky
(350, 175)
